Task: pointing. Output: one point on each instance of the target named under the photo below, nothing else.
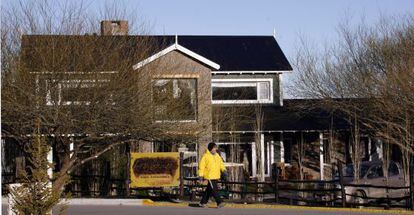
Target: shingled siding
(177, 65)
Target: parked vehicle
(372, 173)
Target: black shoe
(221, 205)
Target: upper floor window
(71, 91)
(242, 91)
(175, 99)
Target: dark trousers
(211, 191)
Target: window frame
(248, 82)
(377, 169)
(176, 120)
(49, 100)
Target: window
(239, 153)
(71, 92)
(242, 91)
(349, 170)
(175, 99)
(375, 172)
(393, 169)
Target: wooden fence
(332, 193)
(307, 192)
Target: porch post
(271, 153)
(282, 149)
(321, 162)
(254, 159)
(145, 146)
(50, 160)
(262, 155)
(369, 149)
(50, 169)
(379, 148)
(128, 173)
(71, 145)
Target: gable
(179, 48)
(176, 64)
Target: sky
(314, 19)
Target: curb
(285, 207)
(93, 201)
(83, 201)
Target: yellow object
(147, 202)
(211, 166)
(160, 169)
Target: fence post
(244, 189)
(341, 183)
(412, 184)
(256, 190)
(181, 175)
(128, 179)
(333, 184)
(276, 183)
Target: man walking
(210, 168)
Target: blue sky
(314, 19)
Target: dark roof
(232, 53)
(302, 114)
(294, 115)
(239, 53)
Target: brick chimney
(114, 27)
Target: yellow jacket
(211, 166)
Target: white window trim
(232, 143)
(50, 102)
(74, 72)
(217, 82)
(180, 48)
(241, 72)
(280, 90)
(174, 121)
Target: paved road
(148, 210)
(118, 210)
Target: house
(229, 89)
(248, 68)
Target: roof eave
(180, 48)
(251, 72)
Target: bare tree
(83, 88)
(371, 70)
(356, 148)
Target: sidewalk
(94, 201)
